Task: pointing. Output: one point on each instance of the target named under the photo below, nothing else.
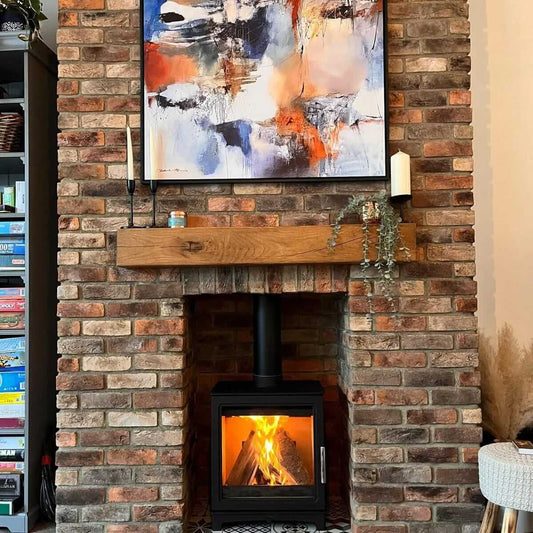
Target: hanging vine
(375, 211)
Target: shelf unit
(36, 66)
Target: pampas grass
(506, 384)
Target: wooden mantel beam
(286, 245)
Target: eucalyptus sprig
(388, 244)
(31, 11)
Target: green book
(9, 505)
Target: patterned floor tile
(338, 522)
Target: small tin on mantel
(177, 219)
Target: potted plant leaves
(21, 15)
(375, 211)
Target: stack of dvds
(12, 246)
(12, 308)
(12, 382)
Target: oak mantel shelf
(286, 245)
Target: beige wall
(502, 87)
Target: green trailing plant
(376, 211)
(31, 11)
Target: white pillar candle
(130, 154)
(153, 158)
(400, 175)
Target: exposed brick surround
(133, 357)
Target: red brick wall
(126, 373)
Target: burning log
(245, 467)
(290, 458)
(285, 466)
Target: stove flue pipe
(267, 340)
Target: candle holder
(130, 186)
(153, 191)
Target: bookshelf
(35, 66)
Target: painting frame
(205, 179)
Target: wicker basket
(11, 132)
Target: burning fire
(268, 455)
(268, 451)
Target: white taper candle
(400, 175)
(131, 176)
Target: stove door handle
(323, 465)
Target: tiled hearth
(338, 521)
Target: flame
(268, 450)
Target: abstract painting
(264, 89)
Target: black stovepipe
(267, 340)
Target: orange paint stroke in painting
(164, 70)
(292, 121)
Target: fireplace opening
(267, 449)
(267, 376)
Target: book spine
(10, 293)
(12, 228)
(11, 321)
(12, 306)
(15, 344)
(15, 455)
(12, 248)
(12, 466)
(11, 423)
(20, 196)
(12, 443)
(12, 261)
(12, 382)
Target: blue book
(12, 228)
(12, 261)
(12, 381)
(12, 344)
(12, 248)
(12, 293)
(12, 361)
(12, 239)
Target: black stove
(267, 438)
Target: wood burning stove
(267, 438)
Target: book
(11, 466)
(12, 261)
(6, 208)
(12, 361)
(12, 455)
(12, 405)
(20, 196)
(11, 423)
(12, 228)
(12, 293)
(11, 398)
(11, 321)
(12, 306)
(11, 410)
(524, 447)
(14, 443)
(12, 344)
(12, 382)
(12, 239)
(12, 248)
(9, 505)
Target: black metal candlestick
(130, 184)
(153, 190)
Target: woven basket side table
(506, 480)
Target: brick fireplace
(141, 348)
